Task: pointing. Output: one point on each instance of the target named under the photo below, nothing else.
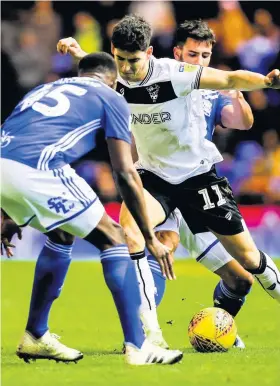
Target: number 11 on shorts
(208, 203)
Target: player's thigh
(59, 236)
(207, 203)
(211, 205)
(235, 276)
(242, 247)
(52, 199)
(155, 211)
(14, 185)
(133, 234)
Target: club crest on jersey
(153, 91)
(60, 204)
(186, 67)
(5, 138)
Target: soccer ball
(212, 330)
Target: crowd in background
(248, 37)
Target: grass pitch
(86, 319)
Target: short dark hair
(97, 62)
(132, 33)
(195, 29)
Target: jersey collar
(147, 77)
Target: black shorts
(206, 201)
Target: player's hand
(70, 46)
(273, 79)
(9, 229)
(163, 255)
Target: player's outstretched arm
(214, 79)
(131, 189)
(70, 46)
(237, 115)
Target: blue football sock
(228, 299)
(159, 279)
(51, 269)
(120, 276)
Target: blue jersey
(213, 103)
(56, 123)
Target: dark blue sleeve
(222, 101)
(117, 118)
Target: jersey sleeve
(117, 118)
(221, 103)
(185, 77)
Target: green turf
(85, 318)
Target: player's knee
(251, 259)
(59, 236)
(169, 238)
(107, 234)
(244, 285)
(240, 285)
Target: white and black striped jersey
(168, 121)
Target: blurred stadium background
(248, 36)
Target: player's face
(132, 66)
(194, 52)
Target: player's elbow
(244, 126)
(247, 122)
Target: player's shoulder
(91, 84)
(174, 65)
(169, 69)
(96, 87)
(164, 65)
(160, 70)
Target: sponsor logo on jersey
(186, 67)
(146, 119)
(6, 138)
(122, 91)
(60, 204)
(153, 91)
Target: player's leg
(235, 282)
(242, 247)
(76, 209)
(121, 278)
(19, 198)
(211, 202)
(168, 234)
(171, 239)
(50, 272)
(136, 244)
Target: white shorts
(205, 247)
(46, 200)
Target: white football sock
(270, 278)
(148, 311)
